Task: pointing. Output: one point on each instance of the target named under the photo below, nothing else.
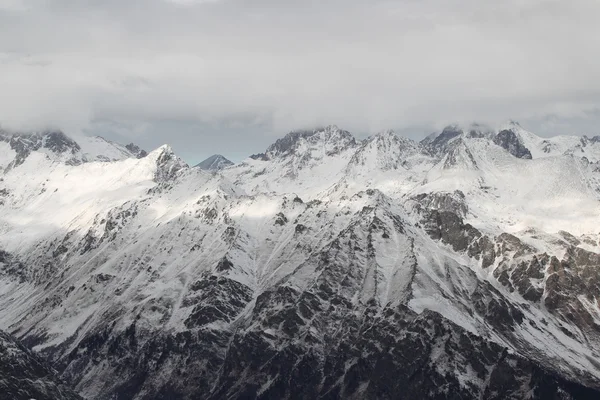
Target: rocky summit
(464, 266)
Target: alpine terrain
(464, 266)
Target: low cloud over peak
(275, 66)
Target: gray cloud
(149, 70)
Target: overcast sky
(230, 76)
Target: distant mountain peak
(437, 144)
(23, 143)
(61, 147)
(215, 162)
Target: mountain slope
(25, 376)
(322, 268)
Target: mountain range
(464, 266)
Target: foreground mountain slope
(322, 268)
(25, 376)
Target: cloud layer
(365, 65)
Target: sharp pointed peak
(215, 162)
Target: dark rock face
(58, 142)
(321, 339)
(568, 288)
(577, 273)
(10, 266)
(25, 376)
(216, 299)
(452, 202)
(136, 150)
(260, 156)
(315, 346)
(395, 354)
(509, 140)
(449, 228)
(315, 343)
(286, 143)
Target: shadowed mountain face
(325, 267)
(24, 375)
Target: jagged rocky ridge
(325, 267)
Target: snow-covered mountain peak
(54, 144)
(328, 140)
(390, 136)
(438, 144)
(459, 156)
(541, 147)
(168, 164)
(478, 130)
(517, 129)
(388, 151)
(516, 140)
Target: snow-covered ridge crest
(521, 142)
(59, 147)
(326, 141)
